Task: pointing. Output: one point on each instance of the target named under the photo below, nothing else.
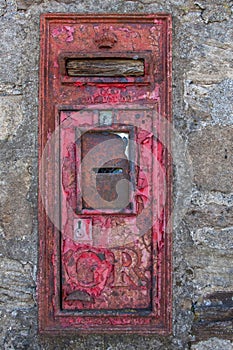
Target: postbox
(105, 174)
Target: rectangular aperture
(104, 67)
(106, 173)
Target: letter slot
(104, 67)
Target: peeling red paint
(55, 64)
(56, 32)
(70, 33)
(60, 31)
(105, 263)
(78, 84)
(91, 271)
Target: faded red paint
(64, 33)
(105, 268)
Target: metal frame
(52, 319)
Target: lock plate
(83, 231)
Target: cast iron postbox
(105, 174)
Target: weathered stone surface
(8, 89)
(211, 152)
(218, 13)
(18, 328)
(24, 4)
(214, 66)
(221, 239)
(11, 116)
(132, 343)
(19, 51)
(183, 174)
(210, 215)
(70, 343)
(2, 7)
(213, 343)
(201, 198)
(212, 270)
(16, 284)
(206, 66)
(15, 210)
(209, 105)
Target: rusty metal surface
(105, 177)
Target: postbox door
(108, 228)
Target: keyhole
(78, 232)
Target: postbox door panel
(107, 239)
(105, 174)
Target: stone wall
(203, 196)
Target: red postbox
(105, 174)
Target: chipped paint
(64, 32)
(70, 33)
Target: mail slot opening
(106, 171)
(105, 67)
